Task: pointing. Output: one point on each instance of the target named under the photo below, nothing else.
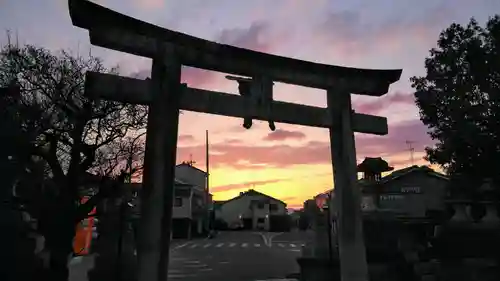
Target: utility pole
(207, 163)
(411, 149)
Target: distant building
(250, 210)
(190, 212)
(410, 192)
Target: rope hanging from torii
(259, 92)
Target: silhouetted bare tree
(70, 146)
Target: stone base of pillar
(318, 269)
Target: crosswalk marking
(183, 276)
(180, 275)
(279, 280)
(233, 244)
(180, 246)
(196, 265)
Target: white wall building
(190, 204)
(251, 210)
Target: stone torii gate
(165, 96)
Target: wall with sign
(414, 194)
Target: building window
(260, 220)
(273, 207)
(178, 202)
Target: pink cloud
(243, 156)
(238, 128)
(295, 206)
(281, 135)
(233, 141)
(389, 100)
(185, 138)
(196, 77)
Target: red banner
(84, 229)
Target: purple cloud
(389, 100)
(281, 135)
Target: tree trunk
(59, 264)
(59, 234)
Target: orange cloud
(243, 185)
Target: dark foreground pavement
(231, 256)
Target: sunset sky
(293, 163)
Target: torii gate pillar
(159, 167)
(353, 265)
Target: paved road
(294, 237)
(231, 256)
(234, 256)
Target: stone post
(320, 247)
(106, 259)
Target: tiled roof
(402, 172)
(191, 166)
(399, 173)
(252, 192)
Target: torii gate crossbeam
(165, 96)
